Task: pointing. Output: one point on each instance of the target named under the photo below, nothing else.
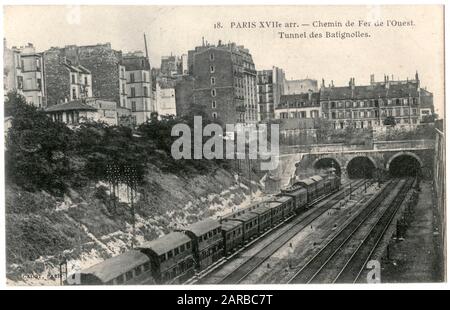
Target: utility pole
(131, 180)
(350, 194)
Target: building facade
(184, 95)
(293, 87)
(165, 100)
(299, 106)
(66, 81)
(270, 88)
(24, 72)
(225, 82)
(174, 65)
(138, 86)
(369, 105)
(100, 60)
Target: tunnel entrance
(325, 163)
(360, 168)
(404, 166)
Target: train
(179, 255)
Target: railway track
(287, 232)
(344, 257)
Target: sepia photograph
(203, 145)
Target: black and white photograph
(204, 145)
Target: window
(146, 266)
(212, 69)
(132, 77)
(119, 279)
(214, 115)
(128, 275)
(169, 254)
(73, 78)
(74, 93)
(145, 91)
(211, 56)
(28, 84)
(213, 105)
(20, 82)
(138, 271)
(213, 92)
(213, 81)
(133, 106)
(133, 92)
(85, 80)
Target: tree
(390, 121)
(36, 147)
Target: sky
(393, 50)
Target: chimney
(352, 83)
(418, 81)
(203, 41)
(323, 83)
(220, 43)
(372, 79)
(332, 83)
(310, 94)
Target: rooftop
(202, 227)
(70, 106)
(229, 225)
(299, 100)
(117, 265)
(245, 217)
(377, 90)
(261, 210)
(166, 243)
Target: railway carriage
(241, 211)
(264, 218)
(327, 186)
(335, 182)
(276, 211)
(287, 204)
(171, 257)
(207, 243)
(300, 196)
(319, 184)
(249, 222)
(232, 234)
(132, 267)
(310, 187)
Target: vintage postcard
(186, 145)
